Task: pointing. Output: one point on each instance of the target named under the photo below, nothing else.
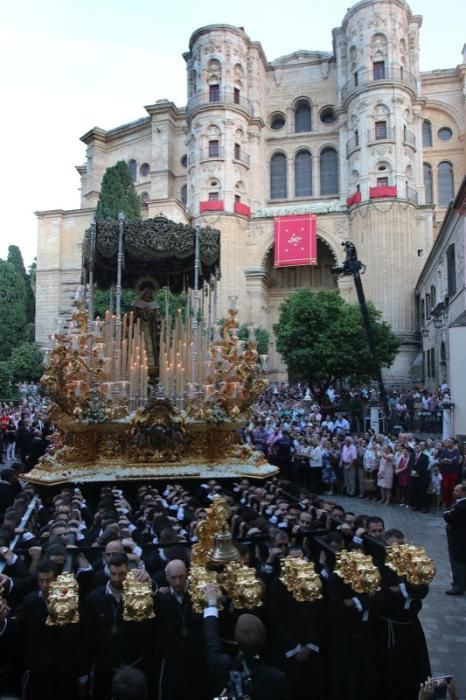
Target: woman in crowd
(385, 475)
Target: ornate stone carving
(321, 207)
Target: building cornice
(330, 206)
(98, 134)
(64, 212)
(239, 31)
(370, 3)
(165, 107)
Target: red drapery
(378, 192)
(354, 199)
(295, 240)
(242, 209)
(212, 205)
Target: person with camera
(245, 676)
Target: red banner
(385, 191)
(295, 240)
(211, 205)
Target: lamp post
(353, 266)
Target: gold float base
(117, 471)
(154, 443)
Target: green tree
(262, 338)
(6, 381)
(117, 194)
(16, 259)
(102, 301)
(12, 308)
(321, 338)
(175, 302)
(26, 362)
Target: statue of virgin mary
(147, 309)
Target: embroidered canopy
(157, 247)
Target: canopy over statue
(146, 394)
(157, 247)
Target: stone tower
(376, 50)
(224, 139)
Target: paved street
(443, 617)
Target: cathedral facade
(360, 137)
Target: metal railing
(222, 98)
(389, 134)
(411, 195)
(392, 74)
(242, 158)
(209, 155)
(352, 144)
(418, 421)
(409, 138)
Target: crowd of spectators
(343, 646)
(321, 449)
(24, 426)
(337, 646)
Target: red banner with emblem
(295, 240)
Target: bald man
(183, 670)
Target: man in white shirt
(348, 463)
(342, 426)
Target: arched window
(302, 116)
(144, 169)
(429, 192)
(278, 184)
(426, 133)
(144, 198)
(184, 195)
(445, 183)
(303, 174)
(133, 169)
(329, 171)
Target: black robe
(350, 653)
(110, 642)
(50, 654)
(402, 656)
(294, 624)
(183, 668)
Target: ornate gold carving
(358, 571)
(301, 579)
(411, 562)
(63, 601)
(138, 601)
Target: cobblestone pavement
(443, 617)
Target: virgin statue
(147, 309)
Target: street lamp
(438, 321)
(353, 266)
(425, 332)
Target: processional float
(148, 394)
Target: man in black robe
(50, 653)
(456, 535)
(401, 649)
(111, 642)
(296, 637)
(183, 670)
(350, 654)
